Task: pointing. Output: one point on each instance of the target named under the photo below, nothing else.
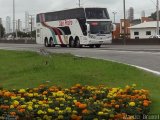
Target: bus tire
(78, 45)
(71, 43)
(51, 42)
(91, 46)
(98, 45)
(46, 44)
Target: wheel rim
(78, 43)
(46, 43)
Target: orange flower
(45, 92)
(7, 94)
(116, 106)
(82, 106)
(13, 113)
(74, 117)
(77, 104)
(85, 111)
(21, 110)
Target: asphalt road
(144, 56)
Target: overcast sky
(39, 6)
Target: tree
(2, 31)
(154, 15)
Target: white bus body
(79, 27)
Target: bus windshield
(96, 13)
(100, 27)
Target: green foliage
(2, 30)
(154, 15)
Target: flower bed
(76, 103)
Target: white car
(154, 36)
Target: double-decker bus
(74, 28)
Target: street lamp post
(114, 15)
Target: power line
(153, 2)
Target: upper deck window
(96, 13)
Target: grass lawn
(29, 69)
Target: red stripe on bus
(55, 30)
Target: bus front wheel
(46, 44)
(52, 43)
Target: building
(27, 28)
(146, 19)
(124, 25)
(131, 14)
(143, 13)
(116, 33)
(8, 25)
(143, 30)
(19, 25)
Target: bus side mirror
(113, 27)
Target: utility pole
(157, 6)
(124, 5)
(31, 24)
(79, 3)
(114, 14)
(14, 16)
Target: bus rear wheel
(78, 45)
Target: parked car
(154, 36)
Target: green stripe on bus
(54, 37)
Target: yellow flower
(35, 94)
(40, 102)
(30, 95)
(60, 93)
(15, 103)
(57, 108)
(68, 108)
(22, 91)
(40, 112)
(30, 108)
(13, 97)
(60, 112)
(34, 100)
(100, 113)
(22, 99)
(51, 110)
(11, 106)
(74, 101)
(23, 106)
(36, 106)
(132, 104)
(30, 103)
(60, 117)
(74, 112)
